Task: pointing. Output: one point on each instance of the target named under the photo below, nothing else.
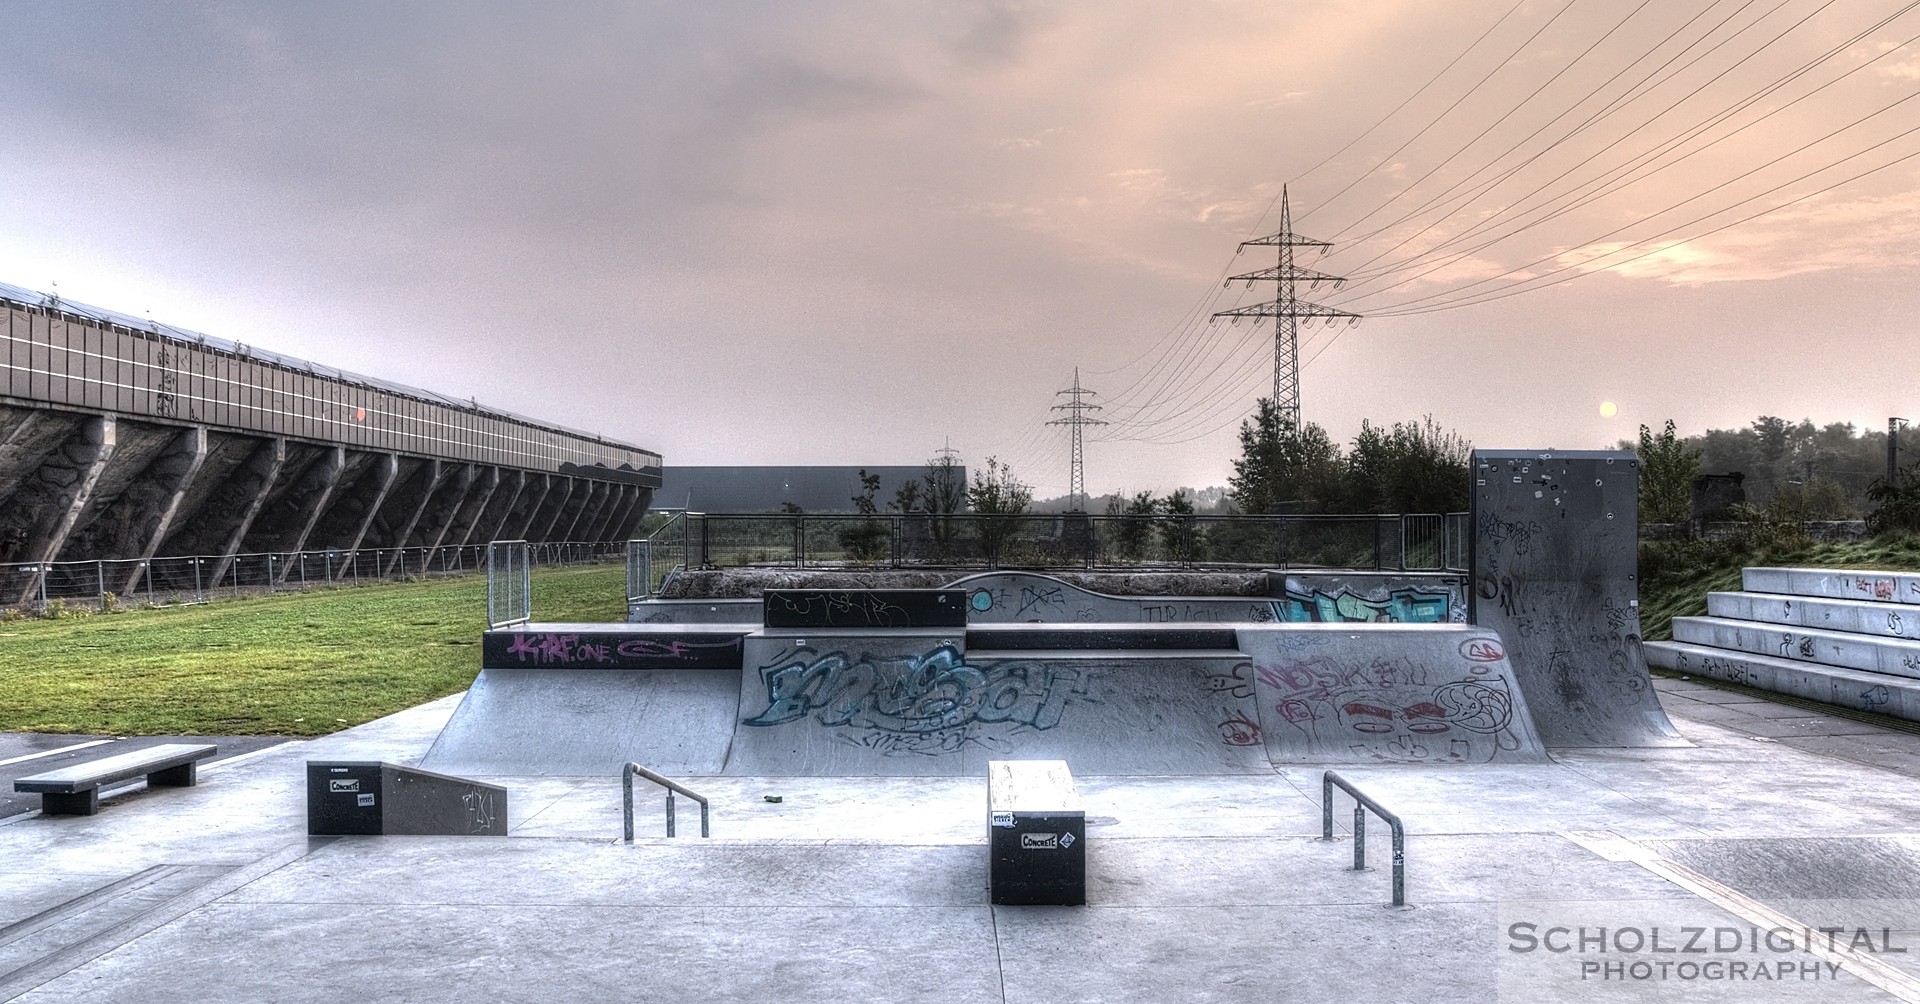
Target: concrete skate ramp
(589, 722)
(1555, 549)
(911, 703)
(1028, 598)
(1389, 693)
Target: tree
(996, 492)
(998, 496)
(1412, 467)
(1136, 528)
(869, 539)
(863, 502)
(1667, 470)
(1896, 503)
(943, 490)
(1281, 468)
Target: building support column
(391, 465)
(266, 469)
(328, 474)
(436, 473)
(59, 491)
(176, 471)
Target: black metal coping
(613, 646)
(1123, 637)
(867, 608)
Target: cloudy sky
(850, 233)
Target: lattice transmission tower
(1076, 409)
(1286, 308)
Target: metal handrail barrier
(1361, 804)
(641, 554)
(112, 582)
(626, 784)
(509, 583)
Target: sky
(856, 233)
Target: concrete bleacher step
(1832, 583)
(1867, 617)
(1838, 649)
(1847, 688)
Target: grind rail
(626, 783)
(1361, 803)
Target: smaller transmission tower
(1286, 308)
(1076, 419)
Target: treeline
(1813, 472)
(1405, 467)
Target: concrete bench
(1036, 834)
(75, 790)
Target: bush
(1896, 503)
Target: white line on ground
(1614, 847)
(63, 749)
(241, 757)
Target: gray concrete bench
(1036, 834)
(75, 790)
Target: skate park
(1572, 824)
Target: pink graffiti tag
(1481, 650)
(1239, 730)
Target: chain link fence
(1412, 542)
(111, 584)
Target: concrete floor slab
(1202, 888)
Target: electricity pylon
(1076, 419)
(1286, 308)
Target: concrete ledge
(1829, 648)
(1839, 584)
(1875, 692)
(1867, 617)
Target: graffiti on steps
(1402, 606)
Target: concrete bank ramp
(583, 699)
(1400, 693)
(926, 703)
(580, 722)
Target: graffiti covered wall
(917, 704)
(1400, 694)
(1554, 554)
(1027, 598)
(1364, 597)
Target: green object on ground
(297, 663)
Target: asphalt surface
(26, 753)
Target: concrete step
(1828, 648)
(1835, 583)
(1876, 692)
(1868, 617)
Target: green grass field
(288, 664)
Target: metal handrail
(640, 557)
(1361, 803)
(626, 783)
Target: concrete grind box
(368, 797)
(1555, 552)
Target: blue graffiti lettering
(1402, 606)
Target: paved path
(1200, 888)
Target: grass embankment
(1675, 576)
(296, 664)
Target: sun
(1607, 410)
